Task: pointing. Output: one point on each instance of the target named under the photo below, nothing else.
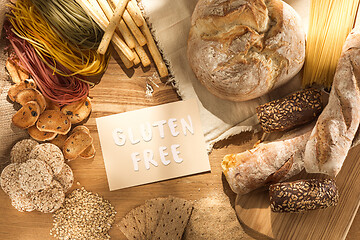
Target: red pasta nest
(59, 89)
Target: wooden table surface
(123, 90)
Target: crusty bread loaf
(336, 127)
(303, 195)
(267, 163)
(241, 49)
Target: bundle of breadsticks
(126, 29)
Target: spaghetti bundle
(330, 23)
(52, 48)
(57, 88)
(71, 22)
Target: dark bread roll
(303, 195)
(296, 109)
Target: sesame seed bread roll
(294, 110)
(241, 49)
(337, 125)
(303, 195)
(267, 163)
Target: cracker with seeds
(174, 219)
(49, 200)
(34, 175)
(140, 218)
(22, 202)
(9, 179)
(65, 177)
(50, 154)
(129, 228)
(21, 150)
(153, 212)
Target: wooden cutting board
(253, 210)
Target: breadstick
(113, 23)
(128, 64)
(137, 59)
(123, 29)
(125, 32)
(154, 51)
(132, 25)
(134, 29)
(138, 19)
(145, 60)
(94, 10)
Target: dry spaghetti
(330, 23)
(71, 22)
(57, 88)
(28, 24)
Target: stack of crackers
(160, 218)
(37, 178)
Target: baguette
(267, 163)
(337, 125)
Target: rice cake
(21, 201)
(9, 179)
(50, 154)
(50, 199)
(65, 177)
(21, 150)
(34, 175)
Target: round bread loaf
(241, 49)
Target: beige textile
(9, 134)
(221, 119)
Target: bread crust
(240, 50)
(268, 162)
(337, 125)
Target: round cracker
(9, 179)
(34, 175)
(50, 154)
(21, 150)
(65, 177)
(50, 199)
(22, 201)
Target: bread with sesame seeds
(335, 129)
(241, 49)
(291, 111)
(267, 162)
(303, 195)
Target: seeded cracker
(50, 154)
(9, 179)
(34, 175)
(21, 201)
(21, 150)
(140, 218)
(153, 212)
(65, 177)
(174, 219)
(84, 215)
(129, 227)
